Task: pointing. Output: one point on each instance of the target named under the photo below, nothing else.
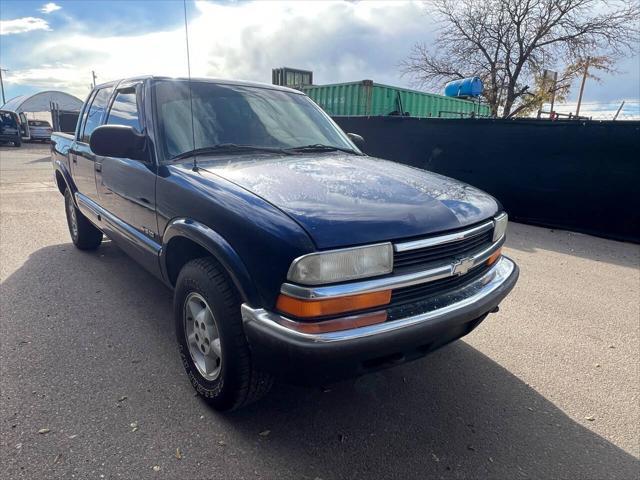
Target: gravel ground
(546, 388)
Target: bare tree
(507, 43)
(544, 88)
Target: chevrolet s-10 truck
(290, 253)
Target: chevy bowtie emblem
(462, 266)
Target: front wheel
(211, 340)
(84, 234)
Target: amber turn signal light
(336, 324)
(331, 306)
(494, 256)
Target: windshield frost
(241, 115)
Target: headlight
(342, 265)
(500, 226)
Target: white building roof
(40, 102)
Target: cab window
(83, 116)
(124, 110)
(96, 112)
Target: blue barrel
(465, 87)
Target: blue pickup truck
(290, 253)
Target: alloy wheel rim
(73, 219)
(202, 336)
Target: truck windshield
(240, 115)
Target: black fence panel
(580, 176)
(68, 121)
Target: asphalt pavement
(91, 385)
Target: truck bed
(60, 145)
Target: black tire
(238, 382)
(85, 235)
(17, 143)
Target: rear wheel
(211, 340)
(84, 234)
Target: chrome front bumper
(317, 359)
(432, 309)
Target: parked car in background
(40, 130)
(9, 128)
(291, 253)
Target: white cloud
(50, 7)
(338, 40)
(57, 76)
(22, 25)
(604, 110)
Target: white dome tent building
(59, 108)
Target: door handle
(98, 167)
(74, 159)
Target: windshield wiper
(227, 147)
(319, 147)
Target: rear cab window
(38, 123)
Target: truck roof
(221, 81)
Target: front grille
(418, 292)
(413, 259)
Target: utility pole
(94, 76)
(615, 117)
(553, 92)
(550, 74)
(584, 79)
(2, 84)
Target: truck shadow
(455, 414)
(41, 160)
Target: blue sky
(57, 44)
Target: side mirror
(357, 139)
(118, 141)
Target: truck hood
(342, 199)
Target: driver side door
(126, 187)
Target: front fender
(219, 248)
